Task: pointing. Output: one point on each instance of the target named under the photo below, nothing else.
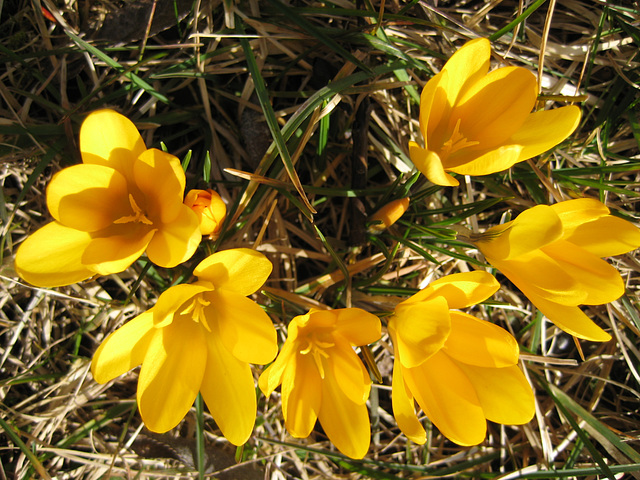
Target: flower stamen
(196, 310)
(457, 141)
(138, 214)
(316, 348)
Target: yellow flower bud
(388, 215)
(210, 209)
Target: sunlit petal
(52, 256)
(124, 349)
(466, 67)
(357, 326)
(430, 165)
(177, 241)
(605, 236)
(478, 342)
(477, 163)
(349, 372)
(532, 229)
(110, 139)
(171, 374)
(239, 270)
(504, 393)
(301, 396)
(421, 330)
(596, 278)
(448, 398)
(115, 253)
(346, 423)
(496, 105)
(545, 129)
(245, 329)
(229, 392)
(460, 289)
(571, 319)
(160, 178)
(403, 407)
(88, 197)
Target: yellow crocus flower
(388, 215)
(553, 255)
(123, 200)
(199, 337)
(461, 370)
(323, 379)
(476, 123)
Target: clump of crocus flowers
(125, 200)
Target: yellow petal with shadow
(239, 270)
(504, 393)
(52, 256)
(88, 197)
(430, 166)
(448, 398)
(124, 349)
(175, 242)
(244, 328)
(228, 390)
(171, 374)
(115, 253)
(110, 139)
(346, 423)
(481, 343)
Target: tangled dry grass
(342, 80)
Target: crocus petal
(421, 330)
(494, 107)
(124, 349)
(357, 326)
(600, 281)
(349, 372)
(110, 139)
(477, 342)
(448, 398)
(460, 289)
(115, 253)
(504, 393)
(272, 376)
(229, 391)
(434, 111)
(573, 213)
(430, 165)
(301, 395)
(88, 197)
(171, 374)
(477, 163)
(571, 319)
(545, 129)
(239, 270)
(467, 66)
(532, 229)
(160, 177)
(245, 329)
(346, 423)
(52, 256)
(606, 236)
(172, 299)
(541, 275)
(403, 407)
(177, 241)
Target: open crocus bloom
(198, 337)
(552, 254)
(123, 200)
(476, 123)
(461, 370)
(323, 378)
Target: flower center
(457, 141)
(195, 310)
(138, 215)
(316, 348)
